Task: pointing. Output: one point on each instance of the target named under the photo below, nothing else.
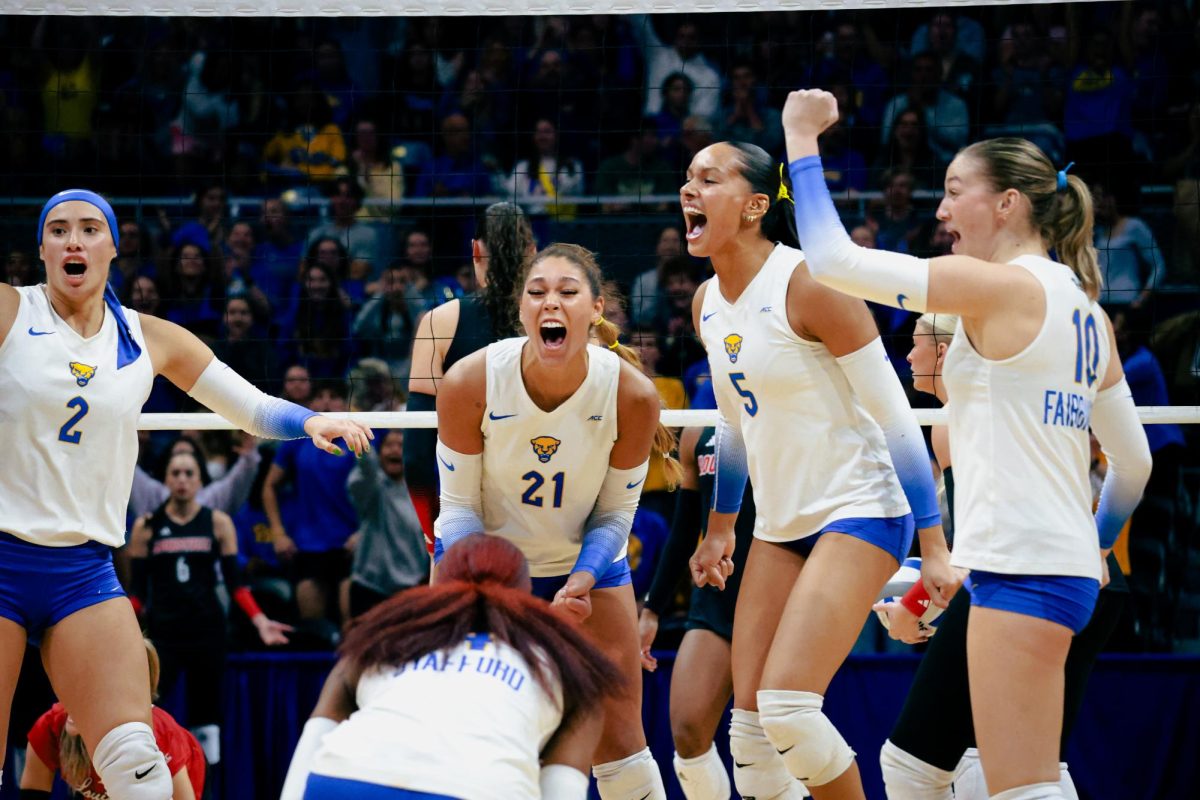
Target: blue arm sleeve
(733, 472)
(607, 529)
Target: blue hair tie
(1062, 177)
(128, 349)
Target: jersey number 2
(751, 404)
(1087, 348)
(530, 498)
(65, 434)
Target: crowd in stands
(365, 115)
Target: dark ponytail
(768, 176)
(504, 231)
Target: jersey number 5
(530, 496)
(751, 404)
(65, 434)
(1087, 348)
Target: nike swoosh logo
(494, 416)
(446, 464)
(788, 750)
(900, 298)
(32, 332)
(704, 317)
(740, 765)
(633, 485)
(137, 776)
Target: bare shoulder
(635, 391)
(175, 352)
(221, 519)
(468, 373)
(10, 301)
(463, 391)
(443, 319)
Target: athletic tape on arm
(875, 384)
(461, 497)
(239, 401)
(893, 279)
(1123, 440)
(607, 529)
(732, 470)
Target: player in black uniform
(176, 553)
(457, 329)
(702, 680)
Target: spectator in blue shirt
(276, 258)
(458, 171)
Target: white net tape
(1150, 415)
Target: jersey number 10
(530, 496)
(1087, 348)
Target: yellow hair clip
(614, 345)
(783, 194)
(599, 321)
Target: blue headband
(128, 349)
(1062, 177)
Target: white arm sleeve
(246, 406)
(310, 741)
(1123, 440)
(461, 479)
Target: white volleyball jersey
(469, 723)
(1019, 431)
(542, 470)
(68, 426)
(815, 455)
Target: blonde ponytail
(1072, 238)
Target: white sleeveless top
(542, 470)
(469, 723)
(68, 426)
(1019, 431)
(815, 454)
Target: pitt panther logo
(733, 346)
(544, 447)
(82, 372)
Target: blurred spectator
(238, 249)
(677, 91)
(389, 550)
(456, 171)
(310, 147)
(545, 174)
(414, 102)
(933, 240)
(146, 104)
(1176, 342)
(250, 356)
(134, 257)
(418, 251)
(845, 167)
(319, 334)
(386, 324)
(552, 91)
(311, 532)
(855, 60)
(194, 290)
(374, 387)
(647, 290)
(682, 56)
(946, 118)
(1027, 83)
(673, 318)
(297, 385)
(637, 171)
(227, 493)
(746, 115)
(969, 38)
(1146, 54)
(696, 135)
(329, 76)
(895, 219)
(487, 108)
(863, 236)
(1131, 262)
(360, 239)
(210, 108)
(210, 228)
(1097, 117)
(908, 149)
(380, 177)
(276, 259)
(19, 269)
(70, 87)
(331, 254)
(143, 296)
(1184, 168)
(959, 70)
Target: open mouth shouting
(553, 333)
(695, 220)
(75, 267)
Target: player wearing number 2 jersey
(1029, 371)
(73, 377)
(545, 441)
(813, 413)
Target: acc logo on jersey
(82, 372)
(544, 447)
(733, 346)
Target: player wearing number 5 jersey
(75, 368)
(545, 441)
(813, 413)
(1029, 371)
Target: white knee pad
(1032, 791)
(969, 783)
(907, 777)
(703, 777)
(811, 747)
(209, 737)
(634, 777)
(758, 770)
(130, 764)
